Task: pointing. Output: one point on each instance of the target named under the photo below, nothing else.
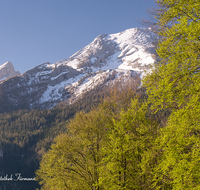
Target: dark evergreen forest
(25, 135)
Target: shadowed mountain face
(107, 60)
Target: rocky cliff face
(109, 58)
(7, 70)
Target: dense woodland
(25, 135)
(123, 138)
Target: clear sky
(33, 32)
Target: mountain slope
(109, 58)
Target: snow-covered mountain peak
(107, 59)
(137, 35)
(107, 51)
(5, 64)
(7, 70)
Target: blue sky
(33, 32)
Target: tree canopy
(176, 77)
(175, 83)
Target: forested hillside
(25, 135)
(124, 137)
(140, 141)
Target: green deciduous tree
(175, 79)
(103, 149)
(175, 83)
(73, 161)
(129, 136)
(179, 163)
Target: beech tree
(179, 143)
(175, 83)
(128, 138)
(73, 160)
(176, 77)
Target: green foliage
(103, 149)
(26, 135)
(129, 137)
(73, 161)
(179, 163)
(174, 83)
(175, 79)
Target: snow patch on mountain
(53, 93)
(108, 59)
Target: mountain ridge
(109, 58)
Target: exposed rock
(7, 70)
(108, 59)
